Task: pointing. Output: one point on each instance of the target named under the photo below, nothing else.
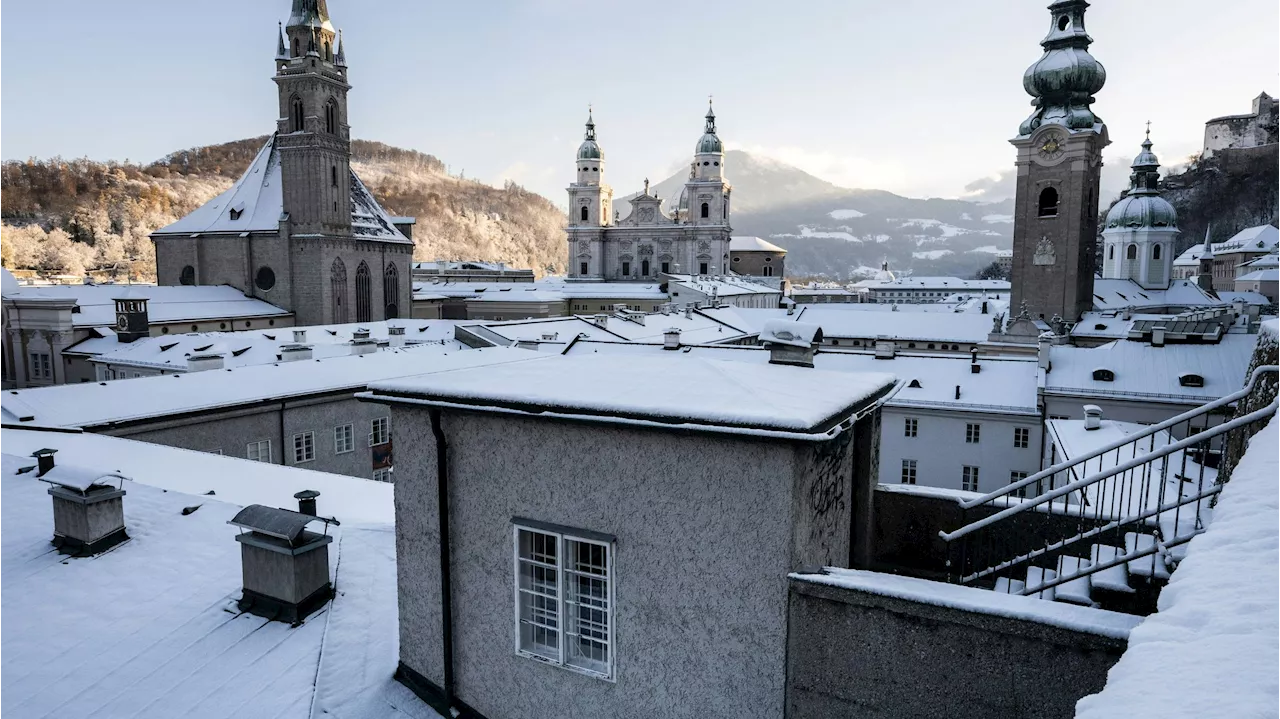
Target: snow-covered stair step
(1075, 591)
(1149, 566)
(1004, 585)
(1114, 579)
(1039, 575)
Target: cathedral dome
(710, 144)
(590, 150)
(1137, 212)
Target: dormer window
(915, 384)
(235, 214)
(1191, 380)
(1104, 375)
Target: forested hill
(71, 216)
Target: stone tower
(707, 191)
(1141, 229)
(590, 206)
(1058, 169)
(314, 139)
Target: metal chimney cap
(307, 494)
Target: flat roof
(165, 304)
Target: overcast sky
(917, 97)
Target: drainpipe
(446, 591)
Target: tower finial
(341, 58)
(1148, 129)
(711, 115)
(591, 123)
(282, 52)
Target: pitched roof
(178, 303)
(752, 244)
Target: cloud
(993, 188)
(843, 170)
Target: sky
(918, 97)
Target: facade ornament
(1045, 253)
(1023, 312)
(997, 323)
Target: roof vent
(285, 566)
(1157, 335)
(885, 348)
(974, 367)
(88, 506)
(602, 321)
(300, 336)
(213, 357)
(791, 343)
(1191, 380)
(295, 352)
(671, 339)
(1092, 417)
(395, 335)
(362, 343)
(1103, 374)
(915, 384)
(550, 336)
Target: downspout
(446, 591)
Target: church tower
(590, 207)
(707, 192)
(1058, 170)
(313, 136)
(1141, 229)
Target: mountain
(841, 233)
(69, 216)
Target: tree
(993, 271)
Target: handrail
(1128, 439)
(1138, 461)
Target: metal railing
(1141, 496)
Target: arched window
(768, 271)
(188, 276)
(328, 52)
(333, 175)
(1131, 253)
(706, 210)
(296, 47)
(1155, 252)
(1048, 202)
(295, 115)
(391, 291)
(644, 268)
(331, 117)
(364, 294)
(338, 291)
(1111, 252)
(585, 213)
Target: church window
(265, 279)
(582, 268)
(1048, 202)
(1131, 253)
(1064, 22)
(702, 268)
(768, 271)
(644, 268)
(338, 291)
(331, 117)
(364, 294)
(295, 115)
(296, 48)
(626, 269)
(666, 267)
(706, 210)
(706, 164)
(585, 214)
(333, 175)
(1155, 252)
(391, 291)
(1111, 252)
(595, 169)
(188, 276)
(328, 52)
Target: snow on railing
(1133, 503)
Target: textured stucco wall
(854, 654)
(707, 527)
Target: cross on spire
(1148, 129)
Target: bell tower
(707, 191)
(312, 134)
(590, 207)
(1059, 165)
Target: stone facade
(1258, 128)
(694, 239)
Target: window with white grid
(969, 479)
(382, 475)
(304, 447)
(1021, 437)
(564, 600)
(379, 431)
(1015, 477)
(259, 451)
(911, 427)
(972, 433)
(344, 439)
(908, 471)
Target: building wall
(853, 653)
(754, 264)
(941, 452)
(707, 527)
(1242, 131)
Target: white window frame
(339, 441)
(1021, 437)
(972, 433)
(911, 427)
(563, 537)
(910, 471)
(379, 427)
(304, 447)
(969, 477)
(257, 446)
(383, 474)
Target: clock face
(1051, 148)
(122, 322)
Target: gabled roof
(752, 244)
(255, 203)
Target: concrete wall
(941, 452)
(707, 527)
(857, 654)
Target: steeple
(341, 58)
(282, 50)
(1064, 80)
(711, 117)
(1146, 169)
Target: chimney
(885, 348)
(791, 310)
(307, 502)
(395, 335)
(602, 321)
(974, 367)
(300, 336)
(688, 312)
(362, 343)
(791, 343)
(211, 359)
(1157, 335)
(671, 339)
(284, 565)
(984, 307)
(1042, 354)
(88, 506)
(295, 352)
(619, 308)
(1092, 417)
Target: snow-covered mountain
(834, 231)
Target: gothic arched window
(328, 52)
(364, 293)
(1048, 202)
(338, 291)
(706, 210)
(391, 291)
(585, 214)
(1155, 252)
(296, 48)
(295, 115)
(1131, 253)
(331, 117)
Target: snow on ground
(966, 217)
(993, 219)
(931, 254)
(834, 234)
(845, 214)
(989, 249)
(1211, 648)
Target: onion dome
(1064, 80)
(1142, 206)
(589, 149)
(710, 144)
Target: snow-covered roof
(696, 393)
(180, 303)
(1262, 238)
(255, 203)
(752, 244)
(906, 326)
(1260, 276)
(1152, 373)
(1006, 385)
(1210, 650)
(96, 404)
(954, 284)
(1111, 294)
(546, 290)
(138, 632)
(255, 347)
(720, 286)
(1269, 261)
(794, 334)
(1190, 257)
(698, 326)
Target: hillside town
(303, 470)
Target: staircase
(1109, 527)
